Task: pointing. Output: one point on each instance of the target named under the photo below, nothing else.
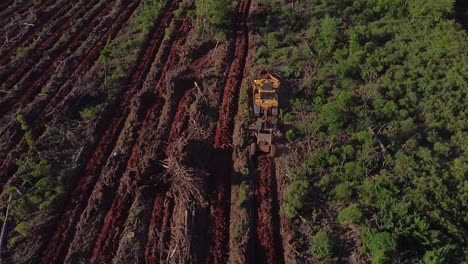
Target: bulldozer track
(268, 242)
(222, 153)
(105, 142)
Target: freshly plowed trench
(12, 134)
(65, 231)
(268, 245)
(222, 153)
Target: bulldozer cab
(266, 95)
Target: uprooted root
(186, 182)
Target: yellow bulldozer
(265, 95)
(265, 106)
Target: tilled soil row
(222, 153)
(105, 143)
(15, 32)
(268, 247)
(51, 19)
(17, 71)
(160, 232)
(12, 11)
(136, 174)
(58, 89)
(35, 75)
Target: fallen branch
(2, 235)
(200, 91)
(381, 145)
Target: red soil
(105, 244)
(157, 215)
(267, 226)
(222, 155)
(55, 251)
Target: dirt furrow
(159, 233)
(156, 223)
(12, 135)
(268, 248)
(132, 178)
(29, 91)
(29, 69)
(106, 141)
(222, 154)
(11, 11)
(48, 19)
(58, 89)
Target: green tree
(380, 244)
(322, 245)
(215, 13)
(350, 215)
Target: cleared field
(136, 189)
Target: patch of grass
(89, 113)
(244, 194)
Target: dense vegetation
(380, 126)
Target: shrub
(22, 228)
(295, 196)
(23, 52)
(380, 244)
(343, 191)
(364, 136)
(331, 115)
(90, 112)
(167, 33)
(322, 245)
(22, 121)
(288, 40)
(350, 215)
(291, 135)
(274, 40)
(262, 52)
(243, 194)
(178, 12)
(239, 227)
